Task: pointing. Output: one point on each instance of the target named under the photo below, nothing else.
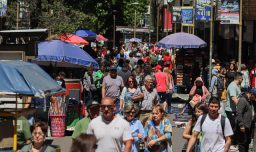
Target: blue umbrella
(85, 33)
(181, 40)
(63, 54)
(18, 77)
(135, 40)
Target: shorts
(163, 96)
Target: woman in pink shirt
(162, 86)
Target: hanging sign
(176, 14)
(228, 11)
(203, 10)
(187, 16)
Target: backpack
(220, 84)
(222, 122)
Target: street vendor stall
(19, 79)
(182, 41)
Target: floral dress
(152, 132)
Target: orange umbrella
(71, 38)
(101, 38)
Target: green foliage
(63, 16)
(129, 11)
(60, 18)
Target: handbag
(223, 96)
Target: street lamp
(135, 16)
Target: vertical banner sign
(176, 14)
(203, 10)
(187, 16)
(228, 11)
(3, 7)
(167, 20)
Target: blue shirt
(136, 127)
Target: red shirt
(161, 79)
(168, 58)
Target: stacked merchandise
(57, 114)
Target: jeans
(244, 140)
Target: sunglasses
(109, 107)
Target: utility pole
(17, 15)
(114, 29)
(240, 35)
(134, 28)
(157, 21)
(211, 45)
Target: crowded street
(128, 76)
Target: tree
(60, 18)
(129, 11)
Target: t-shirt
(161, 79)
(213, 140)
(81, 127)
(113, 86)
(110, 136)
(150, 98)
(232, 91)
(23, 130)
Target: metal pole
(167, 15)
(134, 30)
(175, 26)
(157, 22)
(211, 46)
(240, 35)
(114, 32)
(17, 15)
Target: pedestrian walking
(111, 130)
(245, 119)
(158, 132)
(233, 91)
(112, 86)
(216, 130)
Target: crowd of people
(129, 98)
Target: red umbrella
(101, 38)
(71, 38)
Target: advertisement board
(228, 11)
(176, 14)
(203, 10)
(167, 20)
(187, 16)
(3, 7)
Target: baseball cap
(253, 91)
(158, 67)
(93, 104)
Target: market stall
(19, 79)
(183, 41)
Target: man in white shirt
(215, 136)
(110, 130)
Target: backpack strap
(222, 121)
(202, 121)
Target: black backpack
(220, 83)
(222, 121)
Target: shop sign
(176, 14)
(187, 16)
(3, 7)
(228, 11)
(203, 10)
